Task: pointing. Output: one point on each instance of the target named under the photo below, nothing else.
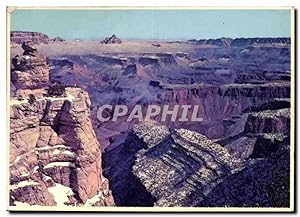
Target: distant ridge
(18, 37)
(241, 41)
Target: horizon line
(162, 39)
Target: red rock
(18, 37)
(52, 141)
(30, 69)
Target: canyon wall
(237, 156)
(18, 37)
(55, 158)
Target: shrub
(56, 89)
(31, 99)
(20, 98)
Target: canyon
(237, 156)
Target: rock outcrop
(55, 158)
(178, 167)
(240, 42)
(258, 134)
(269, 121)
(30, 69)
(186, 167)
(57, 39)
(217, 42)
(243, 42)
(262, 183)
(18, 37)
(111, 40)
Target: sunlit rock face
(18, 37)
(30, 70)
(183, 168)
(55, 158)
(53, 146)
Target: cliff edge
(55, 159)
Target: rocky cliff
(55, 158)
(222, 81)
(240, 42)
(18, 37)
(251, 41)
(180, 167)
(243, 94)
(30, 70)
(216, 42)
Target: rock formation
(18, 37)
(30, 69)
(55, 158)
(187, 165)
(242, 88)
(250, 41)
(183, 168)
(223, 81)
(240, 42)
(217, 42)
(111, 40)
(57, 39)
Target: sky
(153, 24)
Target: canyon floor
(238, 156)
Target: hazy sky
(158, 24)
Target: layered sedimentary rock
(240, 42)
(53, 147)
(258, 134)
(269, 121)
(179, 167)
(262, 137)
(30, 70)
(251, 41)
(217, 42)
(264, 182)
(18, 37)
(178, 78)
(243, 93)
(55, 158)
